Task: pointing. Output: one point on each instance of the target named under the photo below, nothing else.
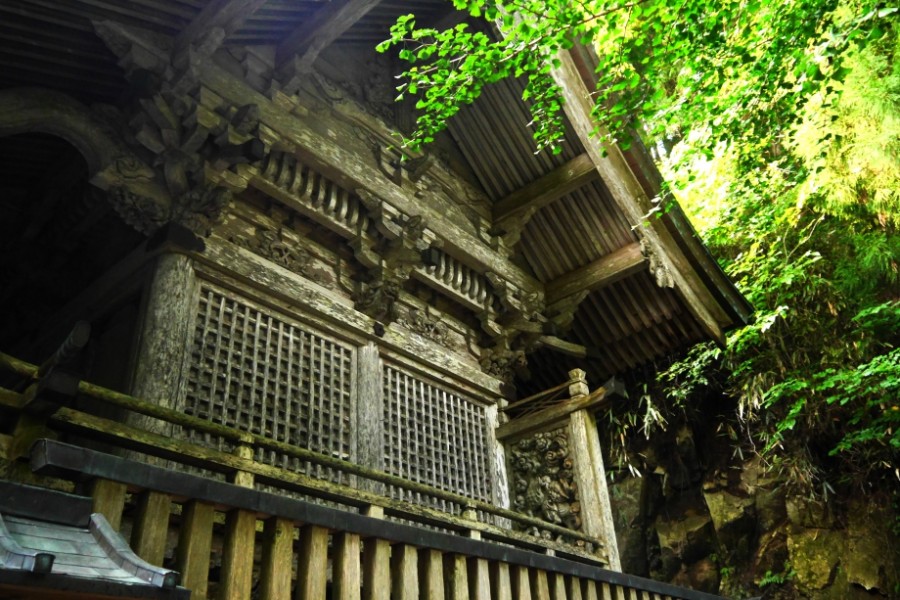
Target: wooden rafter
(551, 187)
(227, 15)
(307, 41)
(597, 274)
(633, 201)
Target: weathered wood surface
(312, 569)
(457, 577)
(347, 573)
(151, 526)
(544, 191)
(552, 417)
(226, 15)
(376, 564)
(540, 585)
(501, 582)
(194, 547)
(431, 574)
(109, 500)
(404, 572)
(277, 559)
(602, 272)
(590, 481)
(304, 44)
(632, 200)
(237, 555)
(521, 583)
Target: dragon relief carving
(543, 480)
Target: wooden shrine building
(318, 364)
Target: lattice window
(263, 374)
(434, 436)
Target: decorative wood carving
(426, 325)
(658, 268)
(543, 480)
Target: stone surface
(815, 555)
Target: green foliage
(812, 242)
(742, 68)
(771, 578)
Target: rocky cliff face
(705, 518)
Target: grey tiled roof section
(77, 551)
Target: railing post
(240, 534)
(521, 581)
(109, 500)
(376, 563)
(501, 586)
(194, 545)
(479, 577)
(590, 475)
(312, 565)
(151, 527)
(431, 574)
(404, 572)
(277, 556)
(345, 569)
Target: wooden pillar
(590, 474)
(376, 564)
(109, 500)
(591, 591)
(194, 545)
(312, 563)
(370, 414)
(164, 334)
(277, 558)
(431, 574)
(151, 527)
(346, 575)
(404, 572)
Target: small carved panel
(543, 480)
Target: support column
(590, 474)
(164, 335)
(370, 414)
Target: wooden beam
(632, 200)
(555, 416)
(605, 270)
(227, 15)
(551, 187)
(329, 22)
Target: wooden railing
(364, 545)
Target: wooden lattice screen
(267, 375)
(434, 436)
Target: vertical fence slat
(404, 572)
(479, 579)
(521, 581)
(194, 544)
(431, 574)
(590, 590)
(151, 526)
(540, 586)
(346, 573)
(457, 577)
(237, 555)
(312, 563)
(109, 500)
(574, 588)
(558, 588)
(277, 556)
(501, 585)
